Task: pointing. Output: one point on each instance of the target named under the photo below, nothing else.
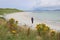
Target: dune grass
(7, 32)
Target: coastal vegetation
(9, 30)
(9, 10)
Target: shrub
(42, 29)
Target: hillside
(9, 10)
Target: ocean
(50, 18)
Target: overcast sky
(28, 4)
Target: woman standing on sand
(32, 19)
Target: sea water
(50, 18)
